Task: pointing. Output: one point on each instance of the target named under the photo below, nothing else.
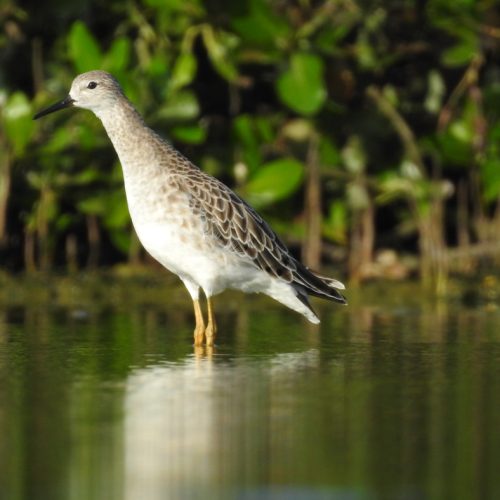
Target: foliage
(397, 106)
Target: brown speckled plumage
(191, 222)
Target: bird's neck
(121, 120)
(127, 131)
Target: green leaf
(18, 122)
(249, 144)
(86, 136)
(392, 187)
(64, 221)
(170, 6)
(118, 56)
(120, 239)
(59, 140)
(335, 226)
(301, 86)
(366, 55)
(357, 196)
(435, 93)
(111, 206)
(275, 181)
(462, 131)
(409, 170)
(157, 66)
(461, 54)
(328, 153)
(298, 130)
(182, 105)
(259, 25)
(93, 205)
(86, 177)
(190, 134)
(83, 48)
(265, 129)
(117, 215)
(328, 40)
(184, 71)
(452, 147)
(490, 177)
(354, 156)
(217, 45)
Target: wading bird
(190, 222)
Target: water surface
(382, 400)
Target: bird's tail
(318, 285)
(332, 283)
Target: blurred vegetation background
(366, 132)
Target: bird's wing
(238, 227)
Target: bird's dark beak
(65, 103)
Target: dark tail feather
(331, 295)
(303, 297)
(318, 285)
(332, 283)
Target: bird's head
(94, 90)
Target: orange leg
(199, 330)
(211, 329)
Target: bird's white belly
(201, 262)
(195, 257)
(166, 227)
(175, 237)
(174, 247)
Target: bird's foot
(203, 353)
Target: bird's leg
(199, 330)
(211, 329)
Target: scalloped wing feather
(236, 225)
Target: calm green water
(381, 401)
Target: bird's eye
(92, 85)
